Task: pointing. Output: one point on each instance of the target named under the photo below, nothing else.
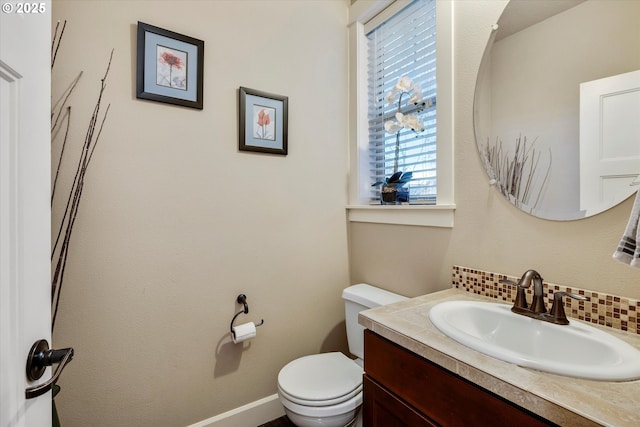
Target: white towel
(628, 250)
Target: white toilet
(325, 390)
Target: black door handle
(40, 356)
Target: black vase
(55, 420)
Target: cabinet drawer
(444, 397)
(383, 409)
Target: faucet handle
(557, 314)
(520, 303)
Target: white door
(25, 223)
(609, 140)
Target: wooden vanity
(404, 389)
(416, 376)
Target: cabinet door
(383, 409)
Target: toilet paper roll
(244, 332)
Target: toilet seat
(345, 407)
(319, 403)
(321, 380)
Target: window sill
(424, 216)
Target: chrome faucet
(538, 309)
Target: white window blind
(404, 45)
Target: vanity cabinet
(404, 389)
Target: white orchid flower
(391, 127)
(416, 97)
(413, 122)
(405, 84)
(391, 96)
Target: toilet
(326, 389)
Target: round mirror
(557, 105)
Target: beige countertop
(563, 400)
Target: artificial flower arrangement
(393, 187)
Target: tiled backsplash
(599, 308)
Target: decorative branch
(59, 109)
(55, 42)
(67, 119)
(515, 174)
(61, 247)
(64, 98)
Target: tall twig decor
(515, 173)
(61, 118)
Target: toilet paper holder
(242, 299)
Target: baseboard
(250, 415)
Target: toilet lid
(320, 377)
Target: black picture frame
(169, 67)
(263, 122)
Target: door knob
(40, 356)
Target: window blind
(404, 45)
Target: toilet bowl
(321, 390)
(325, 390)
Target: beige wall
(175, 222)
(489, 233)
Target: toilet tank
(363, 297)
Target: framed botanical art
(170, 67)
(263, 121)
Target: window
(405, 32)
(403, 46)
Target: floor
(280, 422)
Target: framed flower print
(263, 122)
(169, 67)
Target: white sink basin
(575, 350)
